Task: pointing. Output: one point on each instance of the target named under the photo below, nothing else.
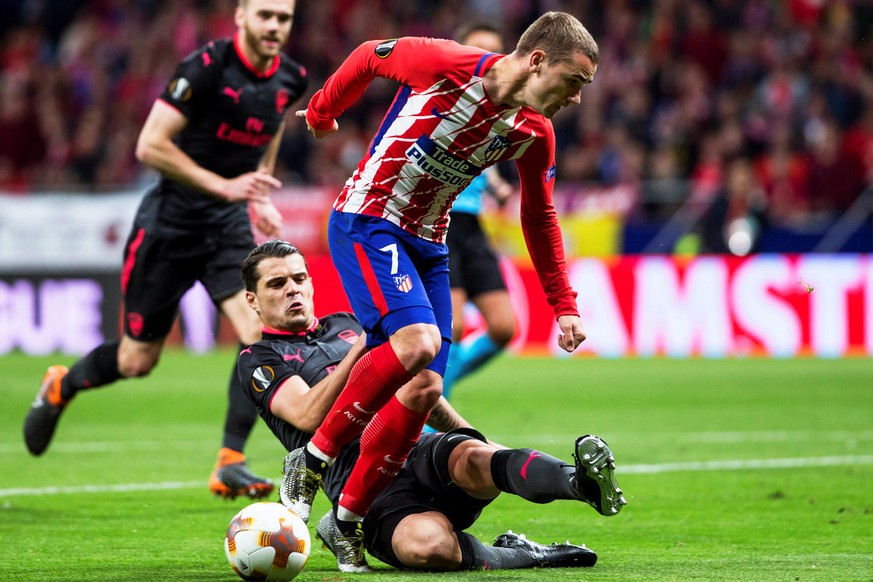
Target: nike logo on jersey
(233, 93)
(436, 113)
(390, 459)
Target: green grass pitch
(735, 469)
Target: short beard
(254, 41)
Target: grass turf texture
(664, 419)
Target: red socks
(373, 381)
(385, 444)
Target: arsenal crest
(281, 100)
(135, 324)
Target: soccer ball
(267, 541)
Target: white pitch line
(730, 465)
(790, 463)
(125, 488)
(850, 440)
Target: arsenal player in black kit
(294, 375)
(213, 135)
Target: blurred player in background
(474, 269)
(213, 135)
(298, 369)
(459, 110)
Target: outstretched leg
(479, 469)
(59, 385)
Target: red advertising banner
(712, 306)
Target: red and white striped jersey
(440, 132)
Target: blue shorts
(392, 278)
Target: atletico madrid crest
(403, 283)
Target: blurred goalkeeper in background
(294, 375)
(213, 135)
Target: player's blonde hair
(560, 36)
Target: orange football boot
(42, 418)
(232, 478)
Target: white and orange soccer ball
(267, 541)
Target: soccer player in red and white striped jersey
(459, 110)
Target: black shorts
(159, 271)
(423, 484)
(473, 264)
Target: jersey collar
(242, 57)
(303, 333)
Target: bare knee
(496, 308)
(430, 554)
(134, 367)
(416, 345)
(422, 392)
(428, 545)
(501, 333)
(137, 359)
(470, 469)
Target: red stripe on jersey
(131, 259)
(370, 280)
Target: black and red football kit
(423, 483)
(182, 235)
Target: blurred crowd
(763, 106)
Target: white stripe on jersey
(412, 183)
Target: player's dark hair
(465, 30)
(560, 36)
(271, 249)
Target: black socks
(97, 368)
(241, 414)
(533, 475)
